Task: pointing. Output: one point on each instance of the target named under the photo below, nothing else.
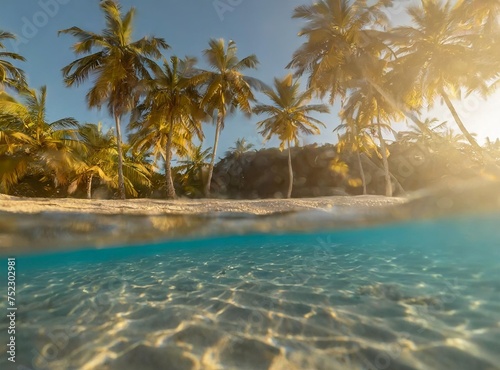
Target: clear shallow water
(421, 295)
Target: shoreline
(154, 207)
(34, 225)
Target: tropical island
(381, 75)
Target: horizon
(36, 24)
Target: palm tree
(14, 144)
(117, 64)
(414, 134)
(344, 41)
(137, 170)
(192, 168)
(10, 75)
(370, 108)
(226, 88)
(437, 56)
(32, 143)
(289, 116)
(340, 44)
(99, 151)
(357, 140)
(343, 49)
(240, 147)
(171, 115)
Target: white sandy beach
(188, 206)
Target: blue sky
(261, 27)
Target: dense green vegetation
(380, 74)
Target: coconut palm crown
(116, 63)
(289, 116)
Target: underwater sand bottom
(279, 307)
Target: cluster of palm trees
(380, 74)
(383, 74)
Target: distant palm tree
(289, 116)
(226, 88)
(415, 133)
(192, 168)
(137, 170)
(357, 140)
(98, 154)
(241, 147)
(170, 116)
(34, 144)
(117, 64)
(10, 75)
(370, 108)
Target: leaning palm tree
(344, 47)
(289, 116)
(226, 88)
(117, 64)
(436, 55)
(170, 116)
(340, 43)
(10, 75)
(344, 39)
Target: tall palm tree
(117, 64)
(343, 48)
(10, 75)
(340, 43)
(436, 55)
(170, 116)
(36, 145)
(227, 89)
(289, 116)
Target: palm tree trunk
(214, 153)
(361, 171)
(168, 165)
(290, 172)
(459, 122)
(360, 164)
(121, 182)
(399, 187)
(400, 107)
(89, 186)
(383, 147)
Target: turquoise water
(417, 295)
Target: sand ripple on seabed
(269, 307)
